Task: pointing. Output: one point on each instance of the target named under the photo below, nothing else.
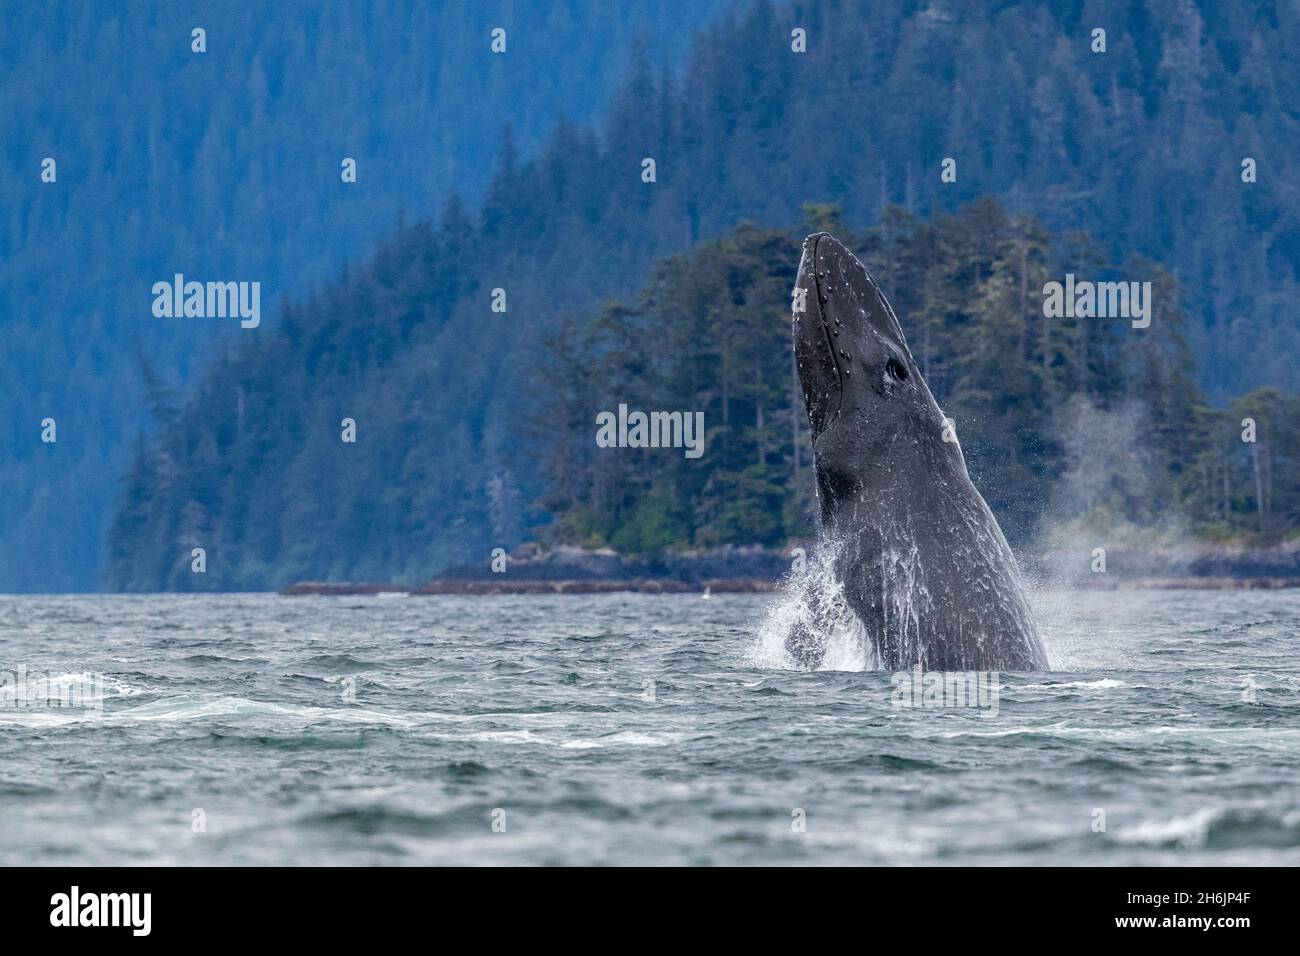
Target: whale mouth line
(826, 328)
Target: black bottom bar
(338, 906)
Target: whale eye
(897, 369)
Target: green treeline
(1085, 421)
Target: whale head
(871, 414)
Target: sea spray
(811, 605)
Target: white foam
(84, 680)
(1191, 830)
(1105, 683)
(812, 598)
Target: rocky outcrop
(693, 568)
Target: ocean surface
(637, 729)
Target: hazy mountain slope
(226, 165)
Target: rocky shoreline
(723, 586)
(637, 586)
(757, 570)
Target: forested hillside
(1140, 146)
(225, 165)
(1086, 421)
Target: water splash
(811, 608)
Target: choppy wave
(1214, 828)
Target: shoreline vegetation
(757, 570)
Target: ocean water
(638, 729)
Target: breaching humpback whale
(920, 559)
